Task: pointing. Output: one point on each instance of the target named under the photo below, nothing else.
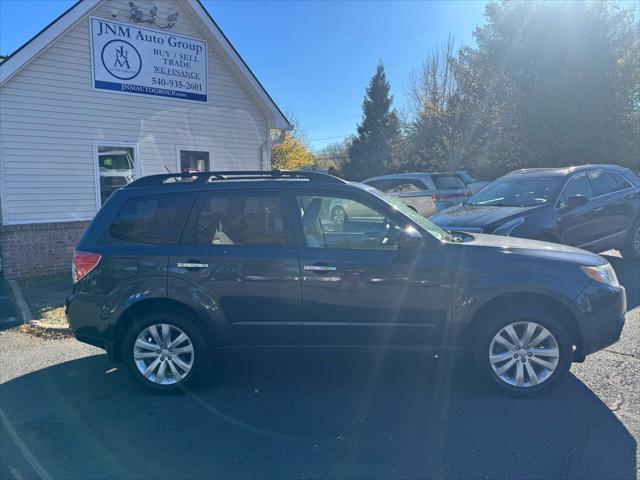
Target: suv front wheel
(524, 353)
(164, 351)
(631, 248)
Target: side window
(406, 188)
(337, 222)
(602, 183)
(622, 182)
(413, 186)
(152, 219)
(245, 220)
(388, 184)
(448, 182)
(577, 185)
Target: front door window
(339, 222)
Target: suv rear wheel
(523, 352)
(164, 351)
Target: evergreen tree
(373, 151)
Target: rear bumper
(602, 310)
(81, 321)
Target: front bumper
(602, 308)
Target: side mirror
(410, 240)
(575, 201)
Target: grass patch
(46, 297)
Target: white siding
(50, 118)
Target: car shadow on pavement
(628, 273)
(294, 413)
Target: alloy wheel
(524, 354)
(636, 240)
(163, 354)
(338, 215)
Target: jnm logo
(121, 59)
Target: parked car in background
(471, 183)
(174, 266)
(340, 210)
(426, 193)
(595, 207)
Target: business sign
(129, 59)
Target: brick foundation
(39, 248)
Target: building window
(194, 160)
(116, 168)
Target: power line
(335, 150)
(332, 122)
(330, 138)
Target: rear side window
(448, 182)
(578, 185)
(245, 220)
(153, 219)
(622, 182)
(386, 184)
(603, 183)
(398, 184)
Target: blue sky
(314, 58)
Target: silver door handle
(192, 265)
(319, 268)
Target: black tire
(494, 323)
(631, 249)
(199, 359)
(338, 215)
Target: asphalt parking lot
(66, 412)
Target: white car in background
(342, 210)
(426, 193)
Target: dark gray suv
(174, 266)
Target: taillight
(441, 196)
(447, 196)
(83, 263)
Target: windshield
(516, 192)
(430, 227)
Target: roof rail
(210, 177)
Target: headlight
(506, 228)
(602, 273)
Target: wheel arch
(149, 305)
(530, 300)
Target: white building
(109, 91)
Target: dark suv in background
(174, 266)
(595, 207)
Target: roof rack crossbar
(207, 177)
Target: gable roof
(32, 48)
